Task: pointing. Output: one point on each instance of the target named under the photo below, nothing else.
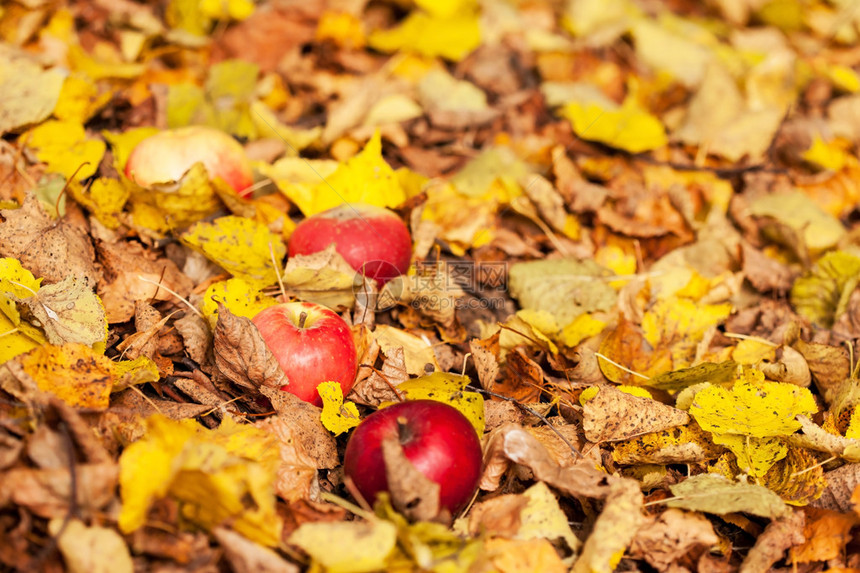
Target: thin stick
(277, 271)
(753, 338)
(173, 292)
(617, 365)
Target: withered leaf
(242, 355)
(47, 493)
(779, 535)
(485, 353)
(666, 538)
(841, 483)
(511, 443)
(412, 493)
(248, 557)
(297, 471)
(50, 249)
(614, 415)
(303, 421)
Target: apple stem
(404, 434)
(302, 318)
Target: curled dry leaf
(197, 336)
(380, 386)
(791, 368)
(614, 529)
(303, 421)
(133, 273)
(614, 415)
(297, 471)
(814, 437)
(485, 354)
(841, 484)
(242, 355)
(779, 535)
(324, 278)
(47, 493)
(249, 557)
(412, 493)
(665, 539)
(512, 444)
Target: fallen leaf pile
(635, 269)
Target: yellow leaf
(73, 372)
(67, 311)
(245, 248)
(132, 372)
(583, 326)
(64, 146)
(105, 199)
(342, 28)
(28, 92)
(240, 297)
(417, 353)
(628, 127)
(337, 416)
(14, 341)
(447, 8)
(821, 294)
(122, 144)
(227, 9)
(843, 77)
(755, 456)
(361, 547)
(80, 99)
(450, 389)
(99, 69)
(753, 407)
(17, 281)
(825, 155)
(818, 228)
(679, 324)
(751, 351)
(452, 38)
(365, 178)
(175, 205)
(221, 476)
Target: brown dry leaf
(47, 493)
(297, 471)
(764, 273)
(303, 420)
(197, 337)
(626, 345)
(432, 291)
(791, 368)
(242, 355)
(412, 493)
(379, 386)
(145, 342)
(485, 354)
(614, 415)
(779, 535)
(512, 444)
(502, 515)
(522, 379)
(614, 529)
(666, 539)
(827, 532)
(248, 557)
(829, 366)
(133, 273)
(50, 249)
(841, 484)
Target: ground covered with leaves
(635, 270)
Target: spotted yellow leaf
(337, 416)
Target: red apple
(166, 156)
(312, 344)
(439, 441)
(373, 240)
